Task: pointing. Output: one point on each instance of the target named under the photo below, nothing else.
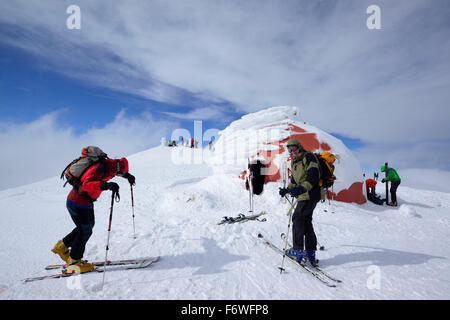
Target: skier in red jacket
(371, 194)
(80, 204)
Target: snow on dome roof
(263, 135)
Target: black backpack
(257, 179)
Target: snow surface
(177, 209)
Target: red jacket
(89, 191)
(370, 183)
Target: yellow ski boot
(61, 250)
(78, 266)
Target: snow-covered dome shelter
(263, 136)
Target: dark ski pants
(375, 199)
(394, 186)
(303, 234)
(76, 240)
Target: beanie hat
(294, 142)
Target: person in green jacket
(395, 180)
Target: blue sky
(35, 91)
(137, 70)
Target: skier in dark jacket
(80, 204)
(304, 186)
(395, 180)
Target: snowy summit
(377, 252)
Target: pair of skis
(316, 272)
(243, 218)
(98, 267)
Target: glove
(295, 192)
(283, 192)
(131, 179)
(383, 181)
(114, 187)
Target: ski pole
(387, 183)
(287, 234)
(250, 187)
(109, 232)
(283, 236)
(250, 195)
(321, 247)
(284, 169)
(132, 210)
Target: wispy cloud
(41, 148)
(215, 113)
(426, 154)
(380, 86)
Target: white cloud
(428, 179)
(431, 155)
(41, 149)
(215, 113)
(317, 55)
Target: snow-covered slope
(378, 252)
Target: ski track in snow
(177, 208)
